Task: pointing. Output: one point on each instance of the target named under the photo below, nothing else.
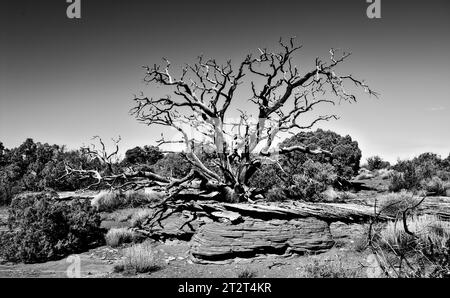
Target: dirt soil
(175, 262)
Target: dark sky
(64, 80)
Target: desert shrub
(118, 236)
(413, 172)
(347, 196)
(361, 243)
(376, 163)
(247, 273)
(397, 182)
(328, 269)
(42, 229)
(331, 195)
(314, 179)
(34, 166)
(427, 165)
(142, 155)
(393, 204)
(134, 198)
(407, 180)
(107, 200)
(138, 218)
(276, 194)
(421, 250)
(139, 258)
(364, 174)
(267, 177)
(172, 165)
(323, 173)
(384, 173)
(305, 188)
(110, 200)
(345, 151)
(429, 231)
(436, 186)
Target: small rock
(169, 259)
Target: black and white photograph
(246, 141)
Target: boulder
(218, 241)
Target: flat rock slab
(218, 241)
(329, 212)
(343, 231)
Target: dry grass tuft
(247, 273)
(347, 196)
(139, 258)
(429, 230)
(138, 218)
(116, 237)
(113, 200)
(106, 200)
(327, 268)
(393, 204)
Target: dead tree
(203, 98)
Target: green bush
(142, 155)
(397, 182)
(315, 178)
(276, 194)
(306, 189)
(427, 165)
(416, 173)
(172, 165)
(376, 163)
(267, 177)
(406, 178)
(435, 186)
(43, 229)
(346, 153)
(37, 167)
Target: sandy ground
(175, 262)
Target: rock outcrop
(219, 241)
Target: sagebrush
(42, 228)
